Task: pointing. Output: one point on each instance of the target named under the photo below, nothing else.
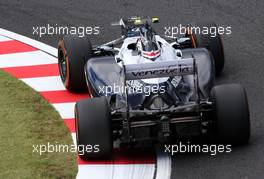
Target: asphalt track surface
(243, 50)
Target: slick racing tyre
(231, 113)
(212, 42)
(93, 128)
(73, 53)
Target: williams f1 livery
(145, 87)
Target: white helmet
(149, 47)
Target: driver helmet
(149, 47)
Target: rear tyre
(73, 53)
(93, 128)
(231, 113)
(213, 44)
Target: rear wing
(172, 68)
(160, 69)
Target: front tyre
(231, 113)
(73, 53)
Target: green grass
(27, 120)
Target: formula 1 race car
(144, 87)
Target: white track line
(41, 84)
(66, 110)
(26, 59)
(44, 47)
(2, 38)
(163, 170)
(117, 171)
